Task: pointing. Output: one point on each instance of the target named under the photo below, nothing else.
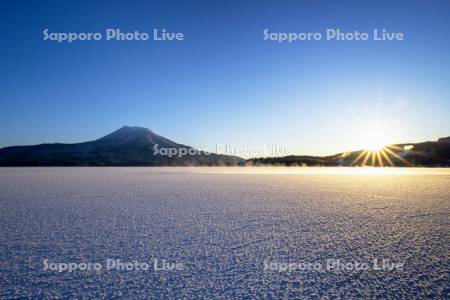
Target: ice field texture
(225, 225)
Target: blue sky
(224, 84)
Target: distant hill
(435, 153)
(135, 146)
(127, 146)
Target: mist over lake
(234, 232)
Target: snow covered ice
(224, 225)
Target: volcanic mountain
(127, 146)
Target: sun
(376, 148)
(374, 130)
(374, 139)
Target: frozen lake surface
(233, 230)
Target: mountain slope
(432, 153)
(127, 146)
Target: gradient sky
(224, 84)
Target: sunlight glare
(374, 139)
